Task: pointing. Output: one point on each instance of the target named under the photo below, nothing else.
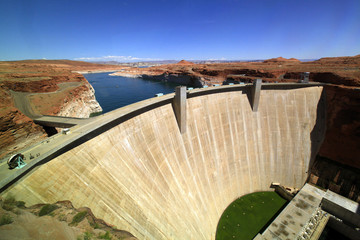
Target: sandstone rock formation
(184, 62)
(282, 60)
(17, 131)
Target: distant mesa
(340, 60)
(281, 59)
(184, 62)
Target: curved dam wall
(144, 177)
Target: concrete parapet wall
(145, 177)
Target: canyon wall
(145, 177)
(342, 139)
(17, 131)
(82, 105)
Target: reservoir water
(113, 92)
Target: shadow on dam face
(144, 177)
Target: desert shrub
(10, 200)
(5, 219)
(47, 209)
(20, 204)
(16, 211)
(62, 217)
(79, 217)
(94, 114)
(7, 207)
(87, 236)
(95, 225)
(9, 203)
(106, 236)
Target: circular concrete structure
(145, 177)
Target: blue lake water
(113, 92)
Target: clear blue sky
(178, 29)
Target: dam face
(144, 177)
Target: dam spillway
(145, 177)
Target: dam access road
(135, 170)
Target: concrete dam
(145, 176)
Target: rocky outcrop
(80, 104)
(179, 77)
(183, 79)
(282, 60)
(326, 77)
(340, 60)
(184, 62)
(53, 221)
(17, 131)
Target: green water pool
(247, 215)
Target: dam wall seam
(145, 177)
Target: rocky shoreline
(98, 71)
(82, 106)
(183, 79)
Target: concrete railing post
(255, 94)
(306, 77)
(179, 106)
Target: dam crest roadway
(137, 169)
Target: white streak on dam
(144, 177)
